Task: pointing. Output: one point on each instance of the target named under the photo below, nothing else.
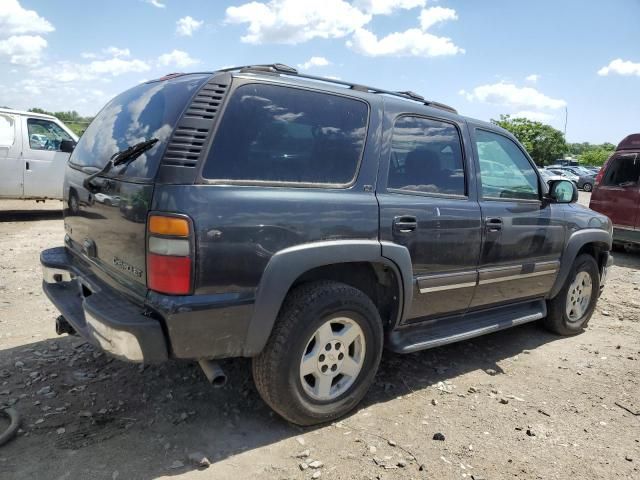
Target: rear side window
(623, 172)
(426, 156)
(7, 130)
(279, 134)
(149, 110)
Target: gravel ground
(521, 403)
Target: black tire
(587, 187)
(557, 319)
(276, 371)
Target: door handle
(493, 224)
(27, 165)
(405, 224)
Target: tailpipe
(213, 372)
(62, 326)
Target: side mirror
(563, 191)
(67, 146)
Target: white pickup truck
(34, 149)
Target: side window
(505, 171)
(45, 135)
(623, 172)
(426, 156)
(280, 134)
(7, 130)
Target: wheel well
(597, 251)
(376, 280)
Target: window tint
(142, 112)
(45, 135)
(623, 172)
(7, 130)
(505, 172)
(279, 134)
(426, 157)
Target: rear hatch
(106, 221)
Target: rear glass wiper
(122, 157)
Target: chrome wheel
(579, 296)
(332, 359)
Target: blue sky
(484, 57)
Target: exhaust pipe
(213, 372)
(62, 326)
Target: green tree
(595, 157)
(72, 119)
(544, 143)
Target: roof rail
(282, 69)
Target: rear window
(623, 172)
(278, 134)
(150, 110)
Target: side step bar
(435, 333)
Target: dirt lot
(517, 404)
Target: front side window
(426, 157)
(7, 130)
(505, 171)
(278, 134)
(623, 172)
(45, 134)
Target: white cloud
(15, 20)
(534, 116)
(385, 7)
(533, 78)
(177, 58)
(186, 26)
(431, 16)
(412, 42)
(117, 66)
(314, 62)
(117, 52)
(23, 49)
(156, 3)
(67, 72)
(620, 67)
(293, 21)
(503, 93)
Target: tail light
(169, 255)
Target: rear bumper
(99, 313)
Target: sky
(546, 60)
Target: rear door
(11, 167)
(523, 237)
(44, 163)
(428, 205)
(618, 194)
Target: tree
(72, 119)
(544, 143)
(595, 157)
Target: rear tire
(322, 355)
(569, 312)
(587, 187)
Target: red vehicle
(617, 190)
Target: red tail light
(169, 255)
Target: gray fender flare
(576, 241)
(287, 265)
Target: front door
(523, 236)
(11, 168)
(426, 205)
(618, 195)
(44, 162)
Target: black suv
(307, 223)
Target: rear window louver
(191, 134)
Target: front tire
(587, 187)
(569, 312)
(322, 355)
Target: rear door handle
(405, 224)
(493, 224)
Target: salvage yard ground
(521, 403)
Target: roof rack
(279, 68)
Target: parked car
(564, 173)
(307, 223)
(34, 149)
(617, 190)
(549, 176)
(586, 177)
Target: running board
(449, 330)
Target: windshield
(145, 111)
